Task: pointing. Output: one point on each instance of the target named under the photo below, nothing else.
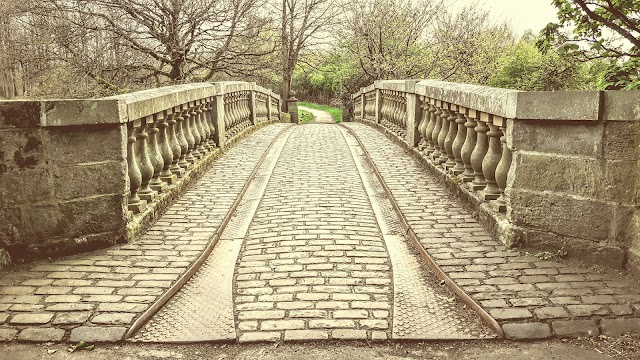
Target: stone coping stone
(525, 105)
(123, 108)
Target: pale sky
(522, 14)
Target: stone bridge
(198, 212)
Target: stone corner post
(252, 104)
(413, 113)
(292, 104)
(220, 134)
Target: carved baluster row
(160, 147)
(469, 144)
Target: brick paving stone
(576, 328)
(97, 333)
(7, 334)
(526, 331)
(305, 335)
(614, 327)
(30, 319)
(41, 334)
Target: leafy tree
(525, 67)
(599, 29)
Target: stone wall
(62, 183)
(570, 179)
(65, 175)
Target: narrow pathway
(320, 117)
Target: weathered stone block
(21, 149)
(558, 137)
(86, 144)
(580, 176)
(94, 215)
(84, 180)
(621, 140)
(20, 114)
(10, 225)
(82, 112)
(25, 186)
(597, 252)
(41, 222)
(621, 105)
(556, 105)
(562, 214)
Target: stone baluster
(182, 137)
(458, 143)
(479, 152)
(204, 125)
(469, 145)
(202, 145)
(451, 136)
(211, 121)
(491, 160)
(430, 148)
(423, 123)
(188, 133)
(502, 170)
(144, 162)
(443, 134)
(154, 152)
(227, 112)
(164, 144)
(436, 131)
(135, 204)
(193, 125)
(174, 141)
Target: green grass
(304, 116)
(336, 113)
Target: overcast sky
(522, 14)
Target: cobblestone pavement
(315, 263)
(97, 296)
(529, 297)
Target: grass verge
(304, 116)
(336, 113)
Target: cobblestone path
(315, 250)
(314, 263)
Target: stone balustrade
(80, 174)
(546, 170)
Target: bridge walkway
(320, 231)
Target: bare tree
(303, 25)
(159, 41)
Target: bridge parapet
(547, 170)
(80, 174)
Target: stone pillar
(292, 104)
(502, 170)
(491, 160)
(135, 204)
(461, 136)
(218, 120)
(252, 105)
(378, 106)
(479, 152)
(413, 115)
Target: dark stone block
(20, 114)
